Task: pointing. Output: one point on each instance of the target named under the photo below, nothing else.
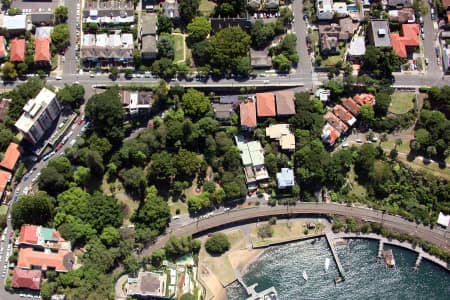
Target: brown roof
(17, 50)
(446, 3)
(26, 279)
(248, 113)
(344, 114)
(351, 105)
(285, 103)
(42, 49)
(4, 177)
(11, 157)
(364, 99)
(62, 261)
(265, 103)
(335, 122)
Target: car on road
(60, 145)
(175, 217)
(426, 61)
(72, 142)
(226, 209)
(80, 121)
(25, 178)
(423, 36)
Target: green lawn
(3, 210)
(334, 59)
(179, 47)
(206, 7)
(402, 103)
(357, 190)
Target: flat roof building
(379, 34)
(147, 284)
(283, 135)
(285, 178)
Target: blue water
(282, 267)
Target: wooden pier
(336, 257)
(380, 248)
(418, 261)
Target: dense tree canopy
(188, 10)
(37, 209)
(154, 213)
(198, 30)
(195, 104)
(217, 244)
(72, 95)
(60, 36)
(380, 62)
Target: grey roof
(272, 3)
(399, 3)
(260, 59)
(149, 24)
(42, 18)
(379, 33)
(285, 178)
(223, 111)
(254, 3)
(357, 46)
(109, 12)
(43, 31)
(96, 52)
(171, 9)
(149, 44)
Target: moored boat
(305, 276)
(327, 264)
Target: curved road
(434, 236)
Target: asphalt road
(436, 236)
(70, 65)
(300, 29)
(429, 44)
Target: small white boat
(327, 264)
(305, 276)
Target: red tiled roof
(265, 103)
(410, 37)
(61, 261)
(2, 46)
(11, 157)
(335, 122)
(42, 49)
(351, 105)
(28, 234)
(4, 177)
(330, 134)
(344, 114)
(446, 3)
(248, 113)
(26, 279)
(285, 103)
(17, 50)
(364, 99)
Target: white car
(175, 217)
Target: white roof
(443, 220)
(33, 108)
(88, 40)
(15, 22)
(114, 40)
(127, 40)
(101, 39)
(357, 46)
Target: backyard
(179, 47)
(401, 103)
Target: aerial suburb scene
(224, 149)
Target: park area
(402, 103)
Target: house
(402, 16)
(344, 115)
(283, 135)
(351, 105)
(260, 59)
(223, 112)
(15, 24)
(4, 105)
(271, 4)
(335, 122)
(285, 101)
(443, 220)
(170, 8)
(446, 59)
(217, 24)
(323, 95)
(39, 115)
(43, 32)
(405, 44)
(379, 33)
(364, 99)
(247, 111)
(5, 178)
(42, 18)
(446, 4)
(17, 53)
(285, 178)
(30, 259)
(254, 4)
(10, 157)
(2, 46)
(41, 238)
(148, 5)
(252, 155)
(331, 34)
(400, 3)
(149, 47)
(42, 54)
(103, 49)
(149, 30)
(149, 24)
(147, 285)
(357, 47)
(108, 12)
(136, 102)
(26, 279)
(324, 9)
(265, 105)
(329, 44)
(330, 134)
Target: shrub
(273, 221)
(265, 231)
(217, 244)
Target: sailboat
(327, 264)
(305, 276)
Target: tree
(198, 202)
(422, 136)
(262, 34)
(162, 167)
(166, 47)
(110, 236)
(226, 49)
(187, 163)
(164, 67)
(154, 213)
(114, 71)
(201, 52)
(195, 103)
(158, 256)
(135, 181)
(9, 71)
(367, 115)
(244, 66)
(380, 62)
(398, 142)
(60, 36)
(37, 209)
(281, 63)
(420, 7)
(131, 264)
(106, 113)
(198, 30)
(217, 244)
(52, 181)
(82, 176)
(6, 137)
(382, 104)
(100, 145)
(188, 10)
(187, 296)
(265, 231)
(72, 95)
(22, 69)
(209, 186)
(61, 13)
(165, 24)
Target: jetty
(336, 257)
(380, 248)
(254, 295)
(418, 261)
